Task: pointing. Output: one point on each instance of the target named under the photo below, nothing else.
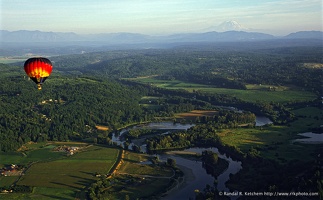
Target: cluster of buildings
(10, 170)
(69, 150)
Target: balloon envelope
(38, 69)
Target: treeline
(200, 135)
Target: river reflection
(195, 175)
(117, 137)
(261, 121)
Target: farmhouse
(6, 191)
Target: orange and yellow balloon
(38, 69)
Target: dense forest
(59, 114)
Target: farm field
(62, 176)
(22, 58)
(23, 158)
(7, 60)
(7, 180)
(43, 193)
(34, 152)
(72, 172)
(102, 128)
(192, 115)
(254, 93)
(54, 175)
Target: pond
(262, 120)
(310, 138)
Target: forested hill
(64, 108)
(219, 67)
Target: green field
(265, 96)
(7, 60)
(34, 152)
(7, 180)
(74, 172)
(54, 175)
(15, 59)
(44, 193)
(275, 142)
(57, 176)
(254, 93)
(23, 158)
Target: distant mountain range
(229, 34)
(25, 36)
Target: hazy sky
(158, 16)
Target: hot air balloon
(38, 69)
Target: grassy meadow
(254, 92)
(276, 142)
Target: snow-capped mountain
(228, 26)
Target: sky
(158, 17)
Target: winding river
(195, 177)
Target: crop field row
(192, 115)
